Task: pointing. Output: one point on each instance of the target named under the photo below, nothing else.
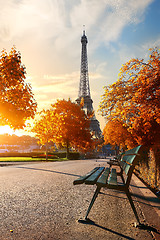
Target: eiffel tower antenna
(83, 29)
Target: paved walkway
(39, 202)
(149, 204)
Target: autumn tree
(45, 128)
(17, 102)
(134, 99)
(65, 124)
(116, 134)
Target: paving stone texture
(39, 202)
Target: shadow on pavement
(142, 226)
(149, 199)
(99, 160)
(137, 186)
(153, 200)
(90, 222)
(45, 170)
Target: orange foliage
(64, 124)
(16, 98)
(117, 134)
(134, 99)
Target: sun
(6, 129)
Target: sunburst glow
(48, 34)
(6, 129)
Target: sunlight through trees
(64, 124)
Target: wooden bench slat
(102, 180)
(93, 178)
(81, 179)
(113, 177)
(126, 162)
(129, 158)
(133, 150)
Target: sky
(48, 34)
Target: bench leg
(92, 201)
(133, 207)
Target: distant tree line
(24, 140)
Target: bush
(51, 155)
(16, 154)
(74, 156)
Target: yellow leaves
(82, 102)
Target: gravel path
(39, 202)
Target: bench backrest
(128, 162)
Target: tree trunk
(47, 151)
(67, 148)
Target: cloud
(51, 20)
(48, 33)
(125, 52)
(151, 44)
(51, 87)
(51, 29)
(114, 16)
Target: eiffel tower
(84, 89)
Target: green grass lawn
(28, 159)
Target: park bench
(115, 161)
(108, 178)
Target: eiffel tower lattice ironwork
(84, 88)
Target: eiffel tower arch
(84, 89)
